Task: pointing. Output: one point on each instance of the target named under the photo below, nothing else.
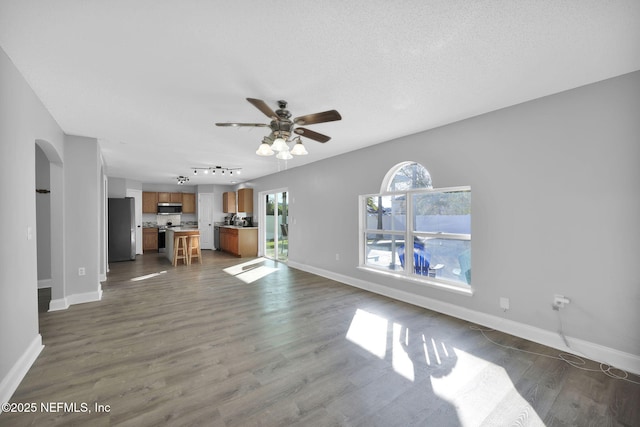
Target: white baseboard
(10, 383)
(64, 303)
(85, 297)
(45, 283)
(58, 304)
(621, 360)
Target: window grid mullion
(408, 239)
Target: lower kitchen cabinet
(241, 242)
(149, 239)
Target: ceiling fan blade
(243, 124)
(311, 119)
(312, 135)
(262, 106)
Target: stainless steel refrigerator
(122, 229)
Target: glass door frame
(262, 210)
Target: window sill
(468, 291)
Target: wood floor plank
(204, 344)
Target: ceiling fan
(282, 126)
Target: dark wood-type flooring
(266, 345)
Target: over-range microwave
(169, 208)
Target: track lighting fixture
(182, 180)
(214, 169)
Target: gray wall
(23, 120)
(83, 184)
(555, 209)
(76, 223)
(117, 187)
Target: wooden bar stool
(194, 244)
(180, 250)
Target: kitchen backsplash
(158, 220)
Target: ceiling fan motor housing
(282, 127)
(283, 113)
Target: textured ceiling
(150, 78)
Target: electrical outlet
(504, 303)
(81, 271)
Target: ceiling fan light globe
(299, 149)
(264, 150)
(280, 145)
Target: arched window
(436, 221)
(406, 176)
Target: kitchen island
(239, 241)
(174, 232)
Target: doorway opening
(276, 230)
(49, 230)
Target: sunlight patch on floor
(369, 331)
(481, 391)
(400, 360)
(250, 271)
(466, 388)
(148, 276)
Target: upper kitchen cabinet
(169, 197)
(188, 203)
(229, 202)
(245, 200)
(149, 202)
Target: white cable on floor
(579, 362)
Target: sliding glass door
(276, 220)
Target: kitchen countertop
(237, 227)
(178, 229)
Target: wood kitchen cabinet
(241, 242)
(229, 202)
(149, 239)
(188, 203)
(149, 202)
(245, 200)
(165, 197)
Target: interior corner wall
(83, 188)
(555, 208)
(23, 120)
